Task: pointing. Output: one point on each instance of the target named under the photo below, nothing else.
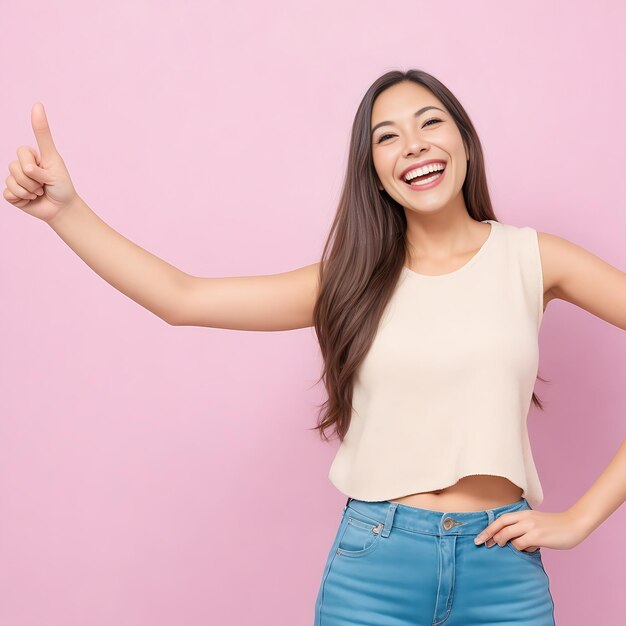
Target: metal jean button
(448, 523)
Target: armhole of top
(539, 271)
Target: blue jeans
(397, 565)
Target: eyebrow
(416, 115)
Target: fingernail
(478, 540)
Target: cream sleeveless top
(445, 389)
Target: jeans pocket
(533, 556)
(361, 534)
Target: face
(405, 140)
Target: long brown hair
(366, 249)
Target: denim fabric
(392, 564)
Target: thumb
(42, 132)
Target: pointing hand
(39, 184)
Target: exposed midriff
(470, 493)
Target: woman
(427, 311)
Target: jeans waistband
(394, 514)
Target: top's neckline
(474, 259)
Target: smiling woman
(407, 123)
(427, 316)
(427, 310)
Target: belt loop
(391, 511)
(490, 516)
(347, 503)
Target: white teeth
(420, 171)
(426, 180)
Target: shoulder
(576, 275)
(549, 247)
(522, 236)
(567, 264)
(564, 264)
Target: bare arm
(268, 302)
(145, 278)
(41, 186)
(282, 301)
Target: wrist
(70, 207)
(581, 521)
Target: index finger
(492, 529)
(41, 128)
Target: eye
(382, 137)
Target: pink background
(162, 475)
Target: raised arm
(40, 185)
(272, 302)
(143, 277)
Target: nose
(415, 145)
